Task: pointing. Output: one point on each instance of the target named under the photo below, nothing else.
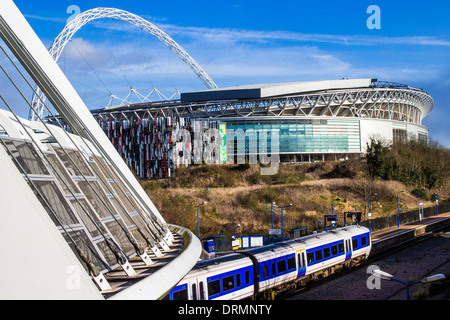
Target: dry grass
(239, 194)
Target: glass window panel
(87, 216)
(26, 155)
(57, 202)
(97, 198)
(107, 253)
(181, 295)
(228, 283)
(119, 234)
(74, 161)
(281, 266)
(93, 253)
(66, 182)
(213, 287)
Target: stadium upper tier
(357, 98)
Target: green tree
(413, 163)
(376, 158)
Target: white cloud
(223, 35)
(232, 56)
(293, 62)
(237, 35)
(50, 19)
(79, 49)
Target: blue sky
(250, 42)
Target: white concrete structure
(76, 222)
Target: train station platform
(383, 239)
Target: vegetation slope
(239, 194)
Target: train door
(301, 260)
(348, 249)
(197, 289)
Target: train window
(274, 270)
(326, 252)
(355, 243)
(281, 266)
(194, 291)
(213, 287)
(318, 255)
(334, 250)
(310, 257)
(341, 247)
(266, 271)
(228, 283)
(291, 263)
(363, 241)
(247, 277)
(180, 295)
(202, 291)
(238, 280)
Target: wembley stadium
(315, 121)
(304, 121)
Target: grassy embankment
(240, 194)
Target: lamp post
(282, 219)
(437, 202)
(386, 276)
(398, 210)
(370, 214)
(418, 197)
(272, 204)
(198, 217)
(237, 226)
(332, 206)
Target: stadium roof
(361, 98)
(273, 90)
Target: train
(256, 273)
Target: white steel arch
(98, 13)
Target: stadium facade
(311, 121)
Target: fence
(223, 245)
(405, 217)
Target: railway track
(291, 291)
(376, 255)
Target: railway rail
(384, 243)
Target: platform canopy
(262, 91)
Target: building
(310, 121)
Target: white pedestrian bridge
(75, 222)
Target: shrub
(413, 163)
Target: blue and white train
(253, 273)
